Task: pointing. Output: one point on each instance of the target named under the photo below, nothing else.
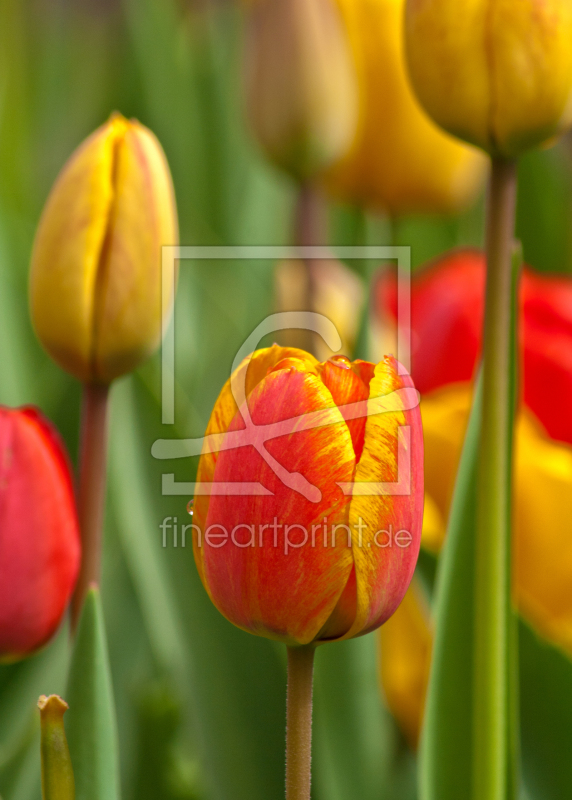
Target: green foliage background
(200, 705)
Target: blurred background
(200, 705)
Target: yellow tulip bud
(400, 161)
(300, 83)
(496, 73)
(95, 284)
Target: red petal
(287, 596)
(39, 535)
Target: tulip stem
(299, 722)
(309, 232)
(492, 567)
(92, 486)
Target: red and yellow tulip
(316, 555)
(39, 535)
(447, 310)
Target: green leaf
(546, 716)
(445, 768)
(90, 722)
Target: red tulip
(447, 306)
(313, 556)
(39, 534)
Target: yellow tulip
(400, 161)
(406, 641)
(496, 73)
(95, 284)
(300, 83)
(542, 544)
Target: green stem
(299, 722)
(309, 231)
(92, 486)
(492, 589)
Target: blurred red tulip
(39, 534)
(447, 305)
(308, 560)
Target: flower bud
(95, 283)
(39, 533)
(496, 73)
(300, 83)
(57, 772)
(328, 547)
(400, 162)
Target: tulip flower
(293, 565)
(57, 773)
(447, 307)
(299, 83)
(495, 73)
(308, 522)
(98, 298)
(406, 641)
(95, 285)
(400, 162)
(39, 541)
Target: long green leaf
(90, 722)
(446, 750)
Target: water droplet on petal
(341, 361)
(190, 507)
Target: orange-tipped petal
(287, 591)
(347, 387)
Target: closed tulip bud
(496, 73)
(328, 547)
(57, 773)
(299, 83)
(95, 285)
(39, 541)
(400, 162)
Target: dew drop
(191, 507)
(341, 361)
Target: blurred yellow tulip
(400, 161)
(496, 73)
(406, 641)
(542, 544)
(95, 286)
(300, 83)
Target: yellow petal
(406, 642)
(543, 532)
(400, 161)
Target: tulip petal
(264, 589)
(130, 297)
(73, 228)
(347, 387)
(384, 559)
(39, 533)
(543, 544)
(249, 374)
